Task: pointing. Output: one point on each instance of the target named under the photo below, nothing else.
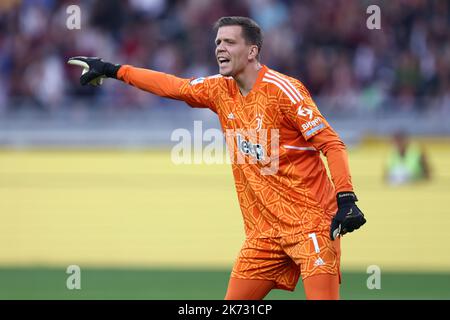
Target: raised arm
(195, 92)
(159, 83)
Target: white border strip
(286, 81)
(279, 85)
(281, 82)
(300, 148)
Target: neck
(247, 78)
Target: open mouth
(223, 61)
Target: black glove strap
(110, 70)
(345, 198)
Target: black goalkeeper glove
(94, 69)
(348, 216)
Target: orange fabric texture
(294, 194)
(284, 260)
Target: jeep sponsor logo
(311, 123)
(255, 150)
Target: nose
(220, 48)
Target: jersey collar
(261, 73)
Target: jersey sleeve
(195, 92)
(304, 114)
(306, 117)
(329, 143)
(198, 92)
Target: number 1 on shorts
(314, 239)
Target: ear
(253, 52)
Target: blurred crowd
(403, 66)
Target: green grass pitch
(45, 283)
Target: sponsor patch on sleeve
(314, 130)
(197, 81)
(305, 112)
(310, 128)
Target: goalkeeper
(295, 215)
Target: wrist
(110, 70)
(346, 197)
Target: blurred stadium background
(86, 176)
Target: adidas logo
(231, 115)
(319, 262)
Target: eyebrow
(224, 39)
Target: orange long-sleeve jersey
(275, 135)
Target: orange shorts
(283, 260)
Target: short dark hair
(251, 31)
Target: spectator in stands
(408, 60)
(407, 162)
